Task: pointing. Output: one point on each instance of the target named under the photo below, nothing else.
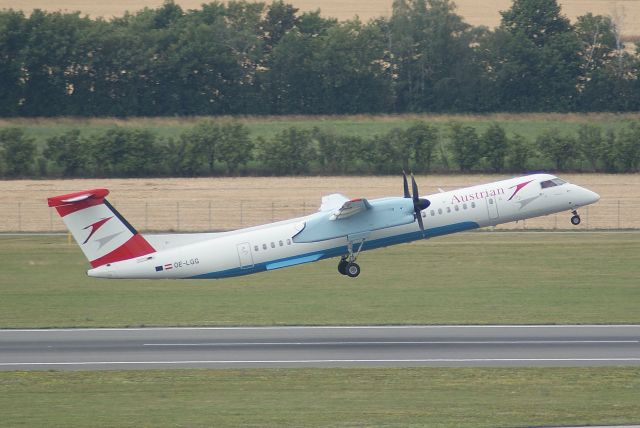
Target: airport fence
(203, 215)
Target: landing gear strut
(575, 220)
(348, 265)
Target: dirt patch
(200, 204)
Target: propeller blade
(419, 218)
(418, 203)
(406, 185)
(414, 186)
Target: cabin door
(492, 207)
(244, 254)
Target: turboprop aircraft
(342, 227)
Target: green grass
(528, 125)
(465, 278)
(476, 278)
(434, 397)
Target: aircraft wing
(350, 208)
(355, 219)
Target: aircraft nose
(592, 196)
(588, 196)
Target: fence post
(587, 216)
(618, 213)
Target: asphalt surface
(363, 346)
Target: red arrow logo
(518, 188)
(94, 227)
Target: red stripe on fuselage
(135, 247)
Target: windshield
(552, 183)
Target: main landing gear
(348, 265)
(575, 220)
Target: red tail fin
(101, 232)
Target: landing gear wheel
(353, 270)
(342, 266)
(575, 220)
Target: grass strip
(528, 125)
(434, 397)
(471, 278)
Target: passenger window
(473, 204)
(264, 246)
(288, 241)
(424, 214)
(255, 248)
(457, 208)
(433, 213)
(448, 209)
(273, 245)
(439, 210)
(281, 243)
(464, 206)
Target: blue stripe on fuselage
(341, 250)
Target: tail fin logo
(94, 227)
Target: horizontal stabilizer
(76, 197)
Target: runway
(339, 346)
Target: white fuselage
(272, 246)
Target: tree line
(241, 58)
(210, 149)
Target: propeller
(419, 204)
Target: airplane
(342, 227)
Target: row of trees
(242, 57)
(210, 148)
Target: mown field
(417, 397)
(527, 125)
(472, 278)
(223, 203)
(474, 12)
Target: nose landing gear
(575, 220)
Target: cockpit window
(552, 183)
